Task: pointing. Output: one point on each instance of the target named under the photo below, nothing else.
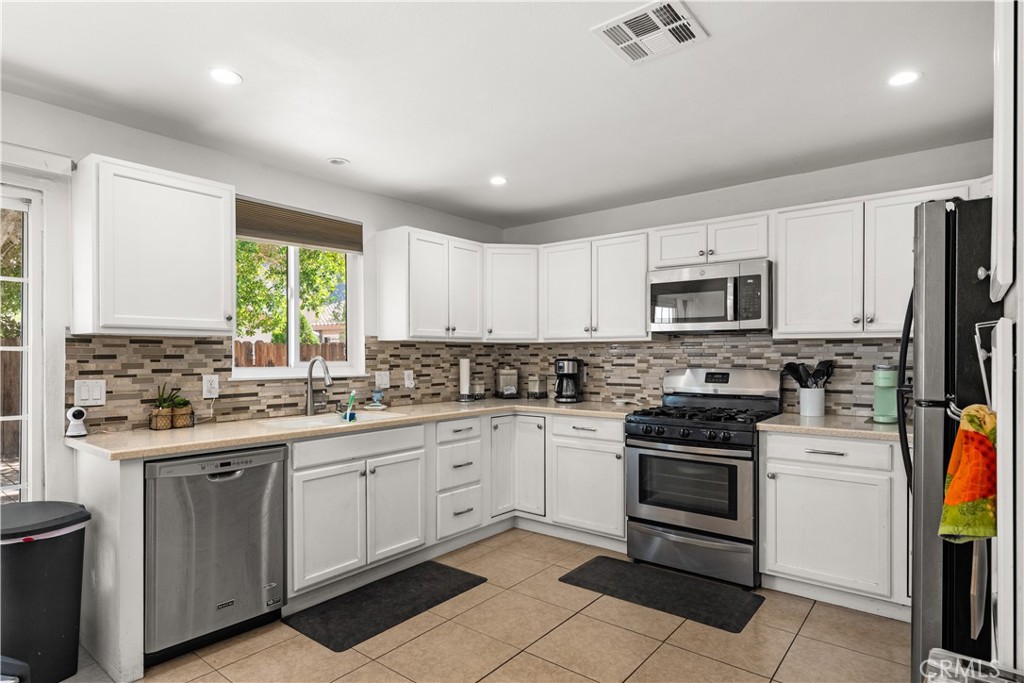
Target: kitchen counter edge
(144, 443)
(842, 426)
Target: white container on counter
(812, 402)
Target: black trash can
(41, 585)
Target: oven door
(705, 489)
(694, 299)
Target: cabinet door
(328, 522)
(619, 291)
(679, 245)
(845, 543)
(565, 291)
(588, 487)
(394, 504)
(149, 224)
(466, 290)
(502, 440)
(528, 464)
(735, 240)
(428, 286)
(820, 270)
(511, 299)
(889, 256)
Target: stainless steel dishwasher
(214, 562)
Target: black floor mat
(348, 619)
(709, 602)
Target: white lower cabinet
(517, 464)
(587, 479)
(365, 505)
(502, 454)
(830, 514)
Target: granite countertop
(145, 443)
(845, 426)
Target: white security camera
(76, 416)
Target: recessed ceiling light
(904, 77)
(499, 180)
(225, 76)
(338, 161)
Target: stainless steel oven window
(704, 488)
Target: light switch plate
(90, 392)
(211, 386)
(382, 379)
(410, 380)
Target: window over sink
(298, 292)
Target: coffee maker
(570, 373)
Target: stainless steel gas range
(691, 472)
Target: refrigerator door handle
(904, 393)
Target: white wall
(930, 167)
(35, 124)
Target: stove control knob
(648, 429)
(726, 436)
(684, 432)
(658, 431)
(711, 435)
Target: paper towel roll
(463, 376)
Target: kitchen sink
(325, 420)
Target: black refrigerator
(952, 242)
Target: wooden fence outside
(261, 354)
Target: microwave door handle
(730, 299)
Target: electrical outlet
(90, 392)
(410, 380)
(211, 386)
(382, 379)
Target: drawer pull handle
(462, 512)
(816, 451)
(462, 464)
(462, 429)
(771, 475)
(585, 429)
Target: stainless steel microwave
(711, 297)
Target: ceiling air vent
(651, 31)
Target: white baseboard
(837, 597)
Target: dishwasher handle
(225, 476)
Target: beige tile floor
(524, 625)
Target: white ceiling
(429, 100)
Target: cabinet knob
(870, 319)
(618, 456)
(447, 328)
(489, 330)
(495, 427)
(700, 253)
(711, 252)
(540, 426)
(229, 317)
(453, 328)
(856, 320)
(771, 475)
(586, 329)
(373, 470)
(593, 329)
(362, 473)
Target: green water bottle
(885, 394)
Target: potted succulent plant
(161, 417)
(181, 412)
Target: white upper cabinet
(465, 288)
(724, 239)
(565, 291)
(511, 292)
(820, 264)
(738, 239)
(619, 292)
(594, 289)
(153, 251)
(889, 256)
(429, 286)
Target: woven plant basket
(160, 418)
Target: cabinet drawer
(454, 430)
(823, 450)
(588, 428)
(459, 511)
(458, 464)
(364, 444)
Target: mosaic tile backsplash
(135, 367)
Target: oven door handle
(668, 450)
(691, 540)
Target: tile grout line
(795, 636)
(297, 634)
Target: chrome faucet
(328, 381)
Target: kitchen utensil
(793, 370)
(805, 375)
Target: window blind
(259, 220)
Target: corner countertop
(844, 426)
(144, 443)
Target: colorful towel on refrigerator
(969, 508)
